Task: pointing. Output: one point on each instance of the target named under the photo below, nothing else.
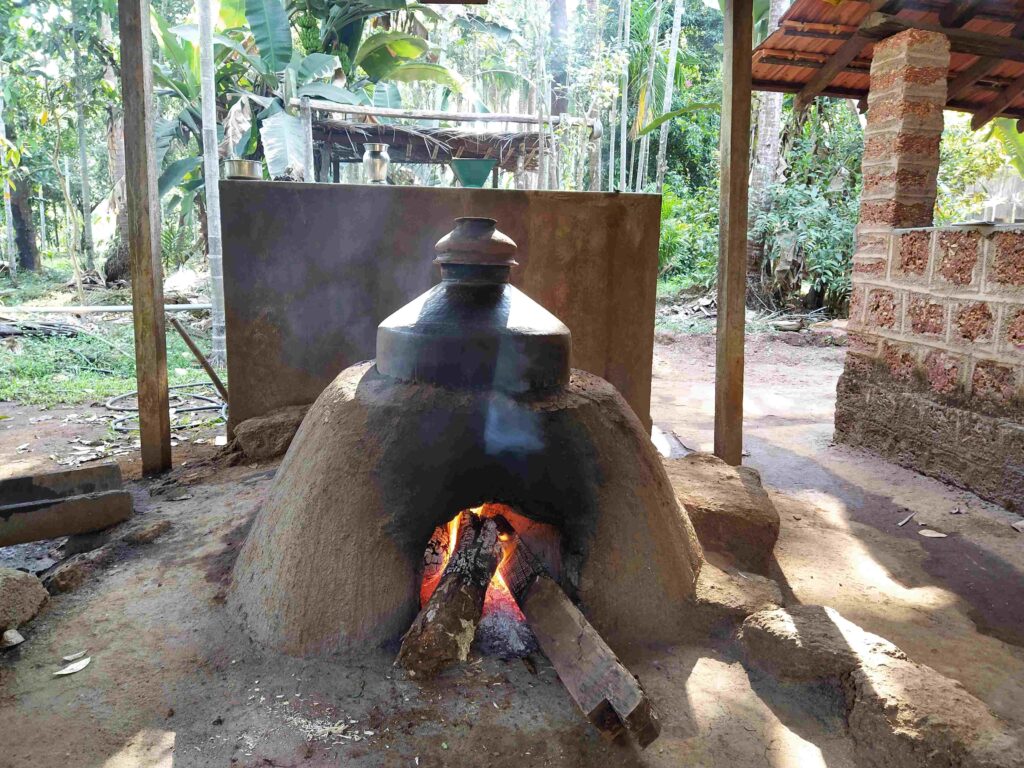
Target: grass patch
(33, 286)
(88, 368)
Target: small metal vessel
(375, 162)
(475, 330)
(236, 168)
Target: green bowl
(471, 171)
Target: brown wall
(311, 269)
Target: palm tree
(666, 103)
(211, 175)
(83, 162)
(767, 146)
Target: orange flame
(498, 590)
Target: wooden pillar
(144, 236)
(732, 239)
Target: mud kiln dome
(471, 400)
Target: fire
(499, 596)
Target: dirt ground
(175, 682)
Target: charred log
(443, 631)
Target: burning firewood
(609, 695)
(444, 628)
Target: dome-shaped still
(471, 401)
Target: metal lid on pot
(474, 329)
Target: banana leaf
(284, 145)
(176, 172)
(656, 122)
(316, 66)
(269, 23)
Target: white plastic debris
(1018, 526)
(929, 533)
(73, 656)
(70, 669)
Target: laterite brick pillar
(901, 154)
(934, 376)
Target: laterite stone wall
(934, 377)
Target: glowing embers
(502, 630)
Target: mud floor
(174, 681)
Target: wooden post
(307, 131)
(144, 236)
(732, 238)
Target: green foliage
(83, 369)
(969, 158)
(1005, 130)
(269, 24)
(688, 251)
(808, 235)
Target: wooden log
(610, 697)
(443, 631)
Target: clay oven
(471, 401)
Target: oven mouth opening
(503, 630)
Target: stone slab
(49, 486)
(729, 508)
(35, 521)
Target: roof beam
(981, 67)
(839, 61)
(956, 14)
(847, 52)
(878, 26)
(998, 104)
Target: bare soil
(174, 681)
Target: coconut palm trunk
(767, 149)
(83, 159)
(626, 9)
(645, 142)
(211, 175)
(9, 246)
(670, 81)
(115, 143)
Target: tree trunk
(666, 102)
(10, 250)
(115, 143)
(83, 160)
(767, 151)
(648, 115)
(625, 8)
(211, 175)
(24, 227)
(559, 56)
(19, 217)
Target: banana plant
(1005, 129)
(253, 64)
(337, 27)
